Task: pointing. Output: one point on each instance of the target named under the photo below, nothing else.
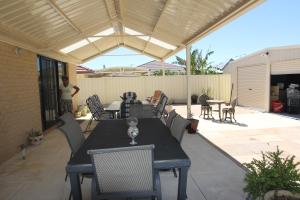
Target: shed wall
(282, 60)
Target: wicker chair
(97, 110)
(160, 108)
(178, 127)
(155, 98)
(206, 109)
(75, 138)
(170, 118)
(230, 110)
(124, 173)
(128, 95)
(141, 111)
(126, 106)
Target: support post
(268, 82)
(163, 67)
(188, 74)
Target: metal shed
(253, 75)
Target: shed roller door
(251, 86)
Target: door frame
(42, 91)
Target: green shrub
(273, 172)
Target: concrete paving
(253, 132)
(213, 176)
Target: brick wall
(71, 71)
(19, 98)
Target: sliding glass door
(50, 72)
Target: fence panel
(175, 87)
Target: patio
(212, 175)
(256, 130)
(73, 32)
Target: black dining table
(168, 153)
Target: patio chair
(124, 173)
(74, 135)
(128, 95)
(231, 90)
(206, 109)
(160, 108)
(126, 107)
(170, 118)
(230, 110)
(178, 127)
(155, 98)
(97, 110)
(141, 111)
(98, 102)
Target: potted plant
(83, 110)
(273, 177)
(192, 127)
(35, 137)
(77, 114)
(194, 99)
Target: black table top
(113, 134)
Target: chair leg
(82, 177)
(70, 195)
(66, 177)
(210, 109)
(158, 186)
(201, 112)
(233, 114)
(88, 125)
(93, 188)
(230, 113)
(174, 172)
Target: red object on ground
(277, 106)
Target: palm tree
(199, 62)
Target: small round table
(219, 102)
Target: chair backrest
(93, 106)
(129, 96)
(231, 90)
(178, 127)
(234, 103)
(72, 131)
(172, 114)
(161, 105)
(136, 110)
(156, 97)
(128, 169)
(126, 105)
(97, 102)
(203, 100)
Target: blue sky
(273, 23)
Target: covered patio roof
(78, 30)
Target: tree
(167, 72)
(199, 62)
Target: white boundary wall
(110, 88)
